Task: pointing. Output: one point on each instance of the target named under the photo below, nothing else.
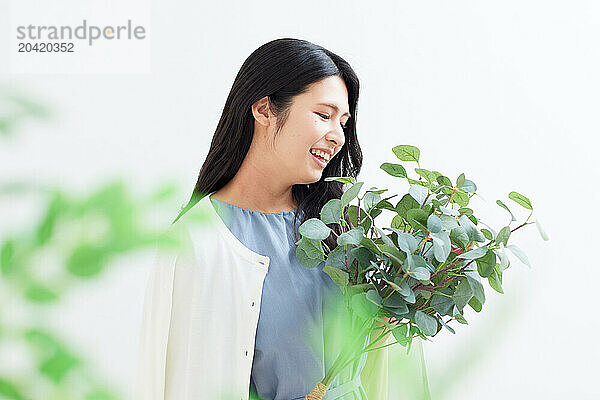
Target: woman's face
(311, 124)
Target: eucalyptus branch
(401, 268)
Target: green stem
(339, 364)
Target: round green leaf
(331, 212)
(420, 273)
(434, 223)
(426, 323)
(406, 242)
(353, 236)
(469, 186)
(314, 228)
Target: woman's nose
(337, 137)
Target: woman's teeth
(319, 153)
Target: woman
(238, 315)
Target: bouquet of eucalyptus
(429, 264)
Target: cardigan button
(252, 304)
(246, 352)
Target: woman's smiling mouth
(321, 158)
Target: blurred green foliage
(16, 108)
(73, 239)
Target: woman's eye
(325, 116)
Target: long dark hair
(280, 69)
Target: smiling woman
(287, 124)
(290, 96)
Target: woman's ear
(261, 111)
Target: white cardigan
(203, 300)
(200, 314)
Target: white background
(506, 92)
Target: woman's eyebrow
(334, 107)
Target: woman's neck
(261, 201)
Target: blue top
(291, 350)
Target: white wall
(506, 92)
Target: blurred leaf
(163, 193)
(46, 227)
(29, 107)
(100, 394)
(362, 306)
(40, 294)
(86, 260)
(6, 257)
(57, 366)
(9, 391)
(541, 230)
(42, 342)
(516, 250)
